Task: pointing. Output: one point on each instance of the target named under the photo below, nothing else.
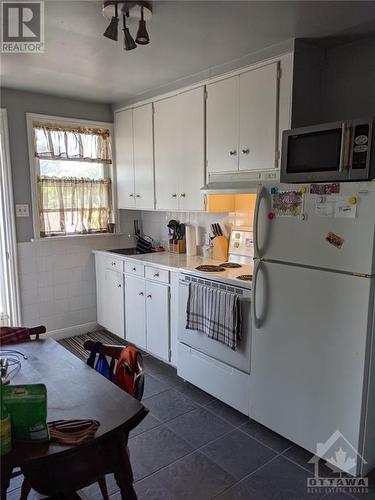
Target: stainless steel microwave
(341, 151)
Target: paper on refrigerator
(335, 206)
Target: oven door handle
(185, 283)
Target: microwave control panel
(361, 146)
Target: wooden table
(74, 391)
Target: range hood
(238, 182)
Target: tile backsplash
(154, 223)
(57, 277)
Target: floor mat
(75, 344)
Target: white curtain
(53, 142)
(71, 205)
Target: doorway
(9, 292)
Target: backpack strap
(93, 353)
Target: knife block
(220, 248)
(177, 246)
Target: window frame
(34, 169)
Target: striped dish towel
(215, 312)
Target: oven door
(239, 359)
(316, 154)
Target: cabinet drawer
(114, 264)
(135, 268)
(153, 273)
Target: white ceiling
(187, 37)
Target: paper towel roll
(191, 240)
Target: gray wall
(18, 103)
(333, 83)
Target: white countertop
(184, 263)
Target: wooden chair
(112, 351)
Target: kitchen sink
(124, 251)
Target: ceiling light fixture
(112, 31)
(129, 43)
(140, 11)
(142, 35)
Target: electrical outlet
(22, 211)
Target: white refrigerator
(312, 368)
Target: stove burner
(230, 265)
(245, 277)
(210, 269)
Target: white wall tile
(57, 278)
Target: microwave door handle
(345, 147)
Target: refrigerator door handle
(262, 193)
(257, 320)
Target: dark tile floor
(193, 447)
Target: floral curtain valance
(71, 205)
(53, 142)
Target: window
(73, 178)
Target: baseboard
(72, 331)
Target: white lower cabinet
(134, 307)
(110, 297)
(157, 319)
(147, 315)
(135, 313)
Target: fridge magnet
(333, 188)
(287, 204)
(335, 240)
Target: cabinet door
(157, 318)
(135, 311)
(258, 118)
(124, 158)
(191, 175)
(168, 155)
(99, 276)
(113, 302)
(143, 157)
(223, 125)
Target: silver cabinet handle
(119, 285)
(156, 275)
(149, 296)
(233, 152)
(174, 195)
(183, 195)
(113, 263)
(141, 294)
(246, 151)
(137, 195)
(134, 268)
(131, 195)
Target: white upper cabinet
(191, 174)
(134, 158)
(242, 121)
(124, 158)
(223, 125)
(179, 151)
(143, 157)
(168, 154)
(258, 118)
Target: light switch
(22, 211)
